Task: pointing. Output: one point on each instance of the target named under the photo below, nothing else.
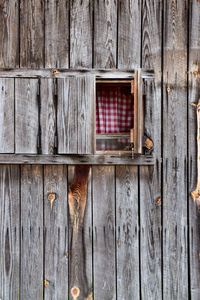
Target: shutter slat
(76, 127)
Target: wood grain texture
(104, 232)
(31, 232)
(127, 231)
(56, 232)
(100, 73)
(129, 34)
(105, 33)
(9, 39)
(56, 34)
(77, 159)
(76, 115)
(194, 94)
(175, 242)
(32, 33)
(150, 177)
(48, 116)
(10, 232)
(80, 33)
(7, 115)
(26, 115)
(80, 231)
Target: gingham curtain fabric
(114, 110)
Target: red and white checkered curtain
(114, 110)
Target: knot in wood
(75, 291)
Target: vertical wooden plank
(32, 33)
(6, 115)
(76, 118)
(105, 33)
(86, 114)
(104, 232)
(194, 94)
(31, 232)
(48, 116)
(9, 24)
(26, 115)
(129, 34)
(67, 116)
(10, 232)
(56, 34)
(56, 232)
(150, 177)
(127, 233)
(84, 249)
(175, 252)
(80, 34)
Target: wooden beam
(62, 73)
(77, 159)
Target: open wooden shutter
(76, 115)
(138, 112)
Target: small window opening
(114, 115)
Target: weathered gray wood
(76, 117)
(150, 177)
(48, 116)
(84, 249)
(129, 34)
(194, 93)
(9, 44)
(127, 231)
(10, 232)
(62, 73)
(26, 115)
(32, 33)
(56, 34)
(56, 232)
(80, 34)
(7, 115)
(77, 159)
(104, 232)
(105, 33)
(31, 286)
(175, 243)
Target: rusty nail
(46, 283)
(75, 292)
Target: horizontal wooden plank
(62, 73)
(76, 159)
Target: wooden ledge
(62, 73)
(77, 159)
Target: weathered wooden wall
(141, 233)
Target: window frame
(136, 81)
